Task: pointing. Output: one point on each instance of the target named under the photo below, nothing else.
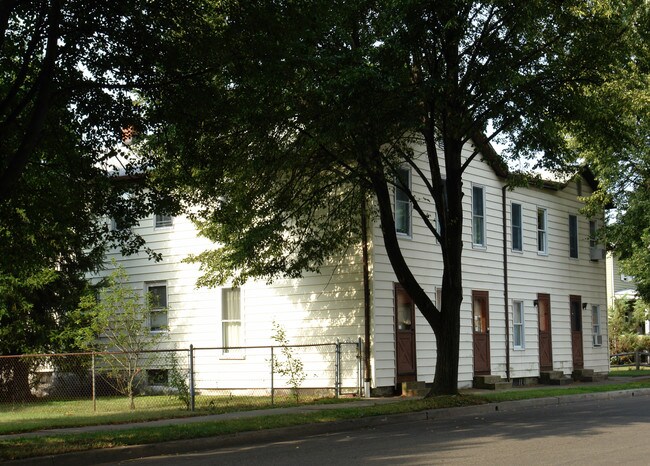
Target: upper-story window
(573, 236)
(542, 233)
(403, 207)
(478, 216)
(517, 227)
(593, 233)
(158, 298)
(163, 221)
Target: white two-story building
(534, 289)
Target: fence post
(192, 394)
(272, 388)
(359, 367)
(637, 360)
(337, 368)
(92, 369)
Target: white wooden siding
(322, 307)
(528, 274)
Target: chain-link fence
(211, 379)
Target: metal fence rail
(215, 379)
(630, 359)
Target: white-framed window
(518, 334)
(595, 325)
(542, 234)
(573, 236)
(517, 227)
(478, 216)
(163, 221)
(403, 206)
(157, 293)
(231, 325)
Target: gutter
(366, 297)
(505, 277)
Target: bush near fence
(214, 379)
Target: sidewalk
(117, 454)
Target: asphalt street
(596, 432)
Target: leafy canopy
(298, 110)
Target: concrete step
(545, 377)
(594, 378)
(491, 382)
(580, 374)
(561, 381)
(416, 388)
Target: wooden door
(545, 343)
(481, 334)
(405, 336)
(575, 307)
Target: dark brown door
(481, 324)
(575, 306)
(404, 336)
(545, 343)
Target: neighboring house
(619, 285)
(622, 286)
(546, 313)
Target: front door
(404, 336)
(481, 324)
(575, 306)
(545, 344)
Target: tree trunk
(19, 389)
(447, 327)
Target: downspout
(366, 297)
(505, 278)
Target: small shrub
(288, 365)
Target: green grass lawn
(26, 417)
(629, 371)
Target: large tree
(616, 142)
(69, 70)
(300, 109)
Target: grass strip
(54, 444)
(31, 417)
(65, 443)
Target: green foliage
(69, 81)
(289, 126)
(626, 319)
(288, 364)
(119, 328)
(616, 143)
(178, 381)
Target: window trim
(483, 228)
(520, 234)
(166, 221)
(226, 352)
(158, 309)
(593, 231)
(409, 204)
(574, 244)
(596, 328)
(543, 250)
(522, 325)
